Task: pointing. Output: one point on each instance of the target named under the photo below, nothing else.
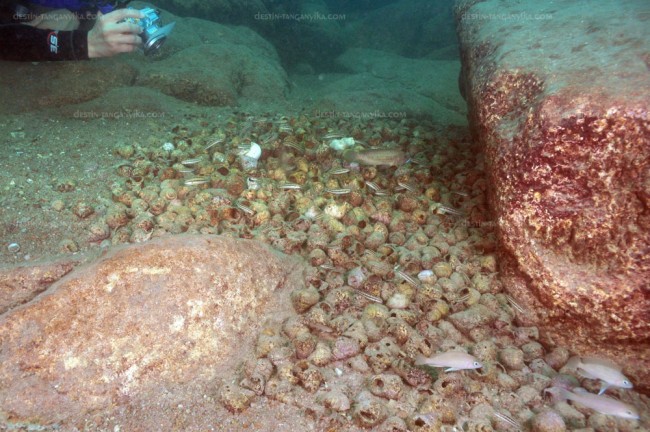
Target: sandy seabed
(399, 255)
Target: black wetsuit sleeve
(21, 42)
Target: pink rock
(558, 96)
(22, 283)
(145, 328)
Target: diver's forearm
(20, 42)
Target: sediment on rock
(144, 326)
(566, 137)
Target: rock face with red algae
(126, 340)
(558, 95)
(22, 283)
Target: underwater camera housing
(153, 33)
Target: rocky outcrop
(215, 65)
(22, 283)
(301, 31)
(382, 85)
(556, 97)
(409, 80)
(151, 329)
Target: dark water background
(313, 33)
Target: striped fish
(342, 191)
(292, 186)
(245, 209)
(194, 181)
(193, 161)
(406, 186)
(213, 143)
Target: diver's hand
(109, 36)
(58, 19)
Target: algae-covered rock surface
(555, 96)
(143, 327)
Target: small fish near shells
(195, 181)
(373, 186)
(405, 186)
(192, 161)
(339, 171)
(376, 157)
(213, 143)
(245, 209)
(600, 403)
(408, 279)
(452, 360)
(343, 191)
(507, 419)
(290, 186)
(609, 373)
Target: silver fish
(339, 171)
(294, 146)
(245, 209)
(370, 297)
(196, 181)
(213, 143)
(452, 360)
(193, 161)
(331, 268)
(515, 305)
(600, 403)
(448, 210)
(507, 419)
(272, 137)
(461, 299)
(293, 186)
(609, 373)
(343, 191)
(406, 277)
(372, 185)
(376, 157)
(406, 186)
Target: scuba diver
(46, 30)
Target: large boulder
(19, 284)
(212, 64)
(147, 326)
(558, 96)
(301, 31)
(383, 85)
